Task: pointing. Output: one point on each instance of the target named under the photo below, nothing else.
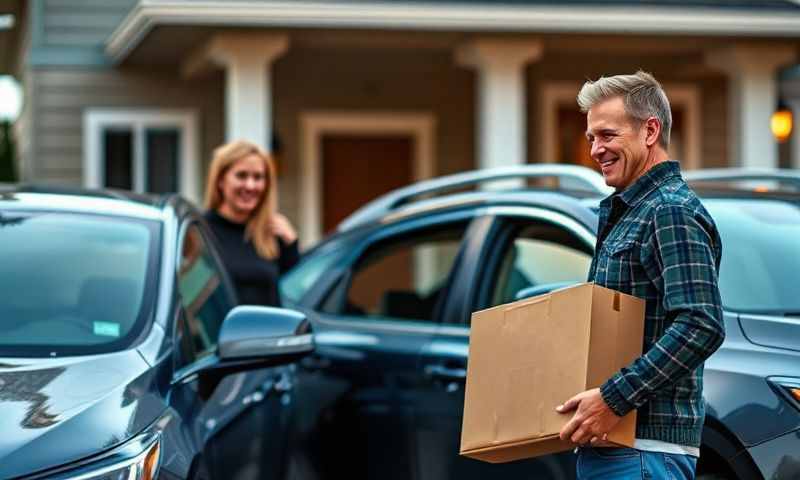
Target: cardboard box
(529, 356)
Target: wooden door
(357, 169)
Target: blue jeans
(630, 464)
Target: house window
(146, 151)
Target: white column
(501, 105)
(752, 98)
(790, 93)
(247, 59)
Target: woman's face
(243, 185)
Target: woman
(256, 242)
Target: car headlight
(137, 459)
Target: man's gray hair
(641, 93)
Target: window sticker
(106, 329)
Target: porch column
(790, 93)
(501, 105)
(247, 59)
(752, 98)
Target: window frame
(182, 368)
(505, 223)
(382, 235)
(95, 120)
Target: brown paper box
(529, 356)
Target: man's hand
(593, 419)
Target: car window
(74, 283)
(538, 255)
(204, 297)
(401, 278)
(760, 254)
(298, 281)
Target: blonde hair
(256, 229)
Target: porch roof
(764, 19)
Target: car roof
(569, 180)
(436, 195)
(576, 205)
(72, 199)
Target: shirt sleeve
(682, 263)
(289, 255)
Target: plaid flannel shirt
(657, 242)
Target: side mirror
(264, 336)
(541, 289)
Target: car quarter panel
(737, 392)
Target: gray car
(390, 294)
(123, 353)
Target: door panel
(352, 423)
(517, 253)
(240, 425)
(357, 390)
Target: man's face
(618, 143)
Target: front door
(357, 169)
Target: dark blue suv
(123, 354)
(389, 297)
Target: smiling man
(657, 242)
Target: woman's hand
(280, 226)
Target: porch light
(781, 123)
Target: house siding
(64, 95)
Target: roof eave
(552, 19)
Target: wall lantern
(781, 123)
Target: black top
(255, 278)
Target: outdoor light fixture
(6, 22)
(781, 123)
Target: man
(658, 243)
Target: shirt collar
(648, 182)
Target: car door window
(204, 297)
(296, 283)
(539, 255)
(400, 278)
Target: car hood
(55, 411)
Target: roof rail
(582, 177)
(790, 178)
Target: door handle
(445, 372)
(315, 362)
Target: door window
(402, 278)
(204, 297)
(538, 255)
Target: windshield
(760, 254)
(72, 283)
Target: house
(366, 96)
